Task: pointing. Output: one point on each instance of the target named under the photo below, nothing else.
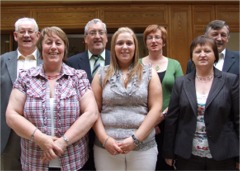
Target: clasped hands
(119, 147)
(52, 147)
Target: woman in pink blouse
(52, 107)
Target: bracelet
(65, 139)
(32, 136)
(136, 140)
(105, 142)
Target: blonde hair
(114, 66)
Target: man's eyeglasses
(95, 32)
(29, 32)
(157, 37)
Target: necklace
(157, 67)
(156, 63)
(52, 77)
(204, 79)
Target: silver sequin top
(124, 109)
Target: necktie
(96, 64)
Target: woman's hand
(46, 143)
(127, 145)
(169, 162)
(58, 148)
(112, 146)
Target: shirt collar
(102, 55)
(34, 54)
(65, 70)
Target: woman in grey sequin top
(129, 98)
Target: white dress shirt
(26, 62)
(219, 64)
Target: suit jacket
(231, 63)
(81, 61)
(221, 117)
(8, 76)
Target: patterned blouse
(124, 109)
(69, 89)
(200, 142)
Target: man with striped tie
(95, 37)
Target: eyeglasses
(94, 32)
(29, 32)
(157, 37)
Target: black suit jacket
(81, 61)
(231, 63)
(221, 117)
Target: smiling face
(221, 37)
(124, 48)
(26, 36)
(96, 38)
(53, 49)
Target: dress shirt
(92, 59)
(219, 64)
(26, 62)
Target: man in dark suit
(228, 60)
(26, 56)
(95, 37)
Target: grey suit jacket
(231, 63)
(81, 61)
(8, 76)
(221, 117)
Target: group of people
(115, 110)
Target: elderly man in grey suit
(95, 37)
(26, 34)
(228, 60)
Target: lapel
(39, 60)
(107, 57)
(84, 64)
(12, 66)
(217, 85)
(228, 61)
(190, 90)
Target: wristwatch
(135, 140)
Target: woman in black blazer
(202, 124)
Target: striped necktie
(96, 64)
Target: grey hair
(216, 25)
(94, 21)
(21, 20)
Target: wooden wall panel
(64, 17)
(201, 15)
(229, 13)
(180, 33)
(135, 17)
(9, 17)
